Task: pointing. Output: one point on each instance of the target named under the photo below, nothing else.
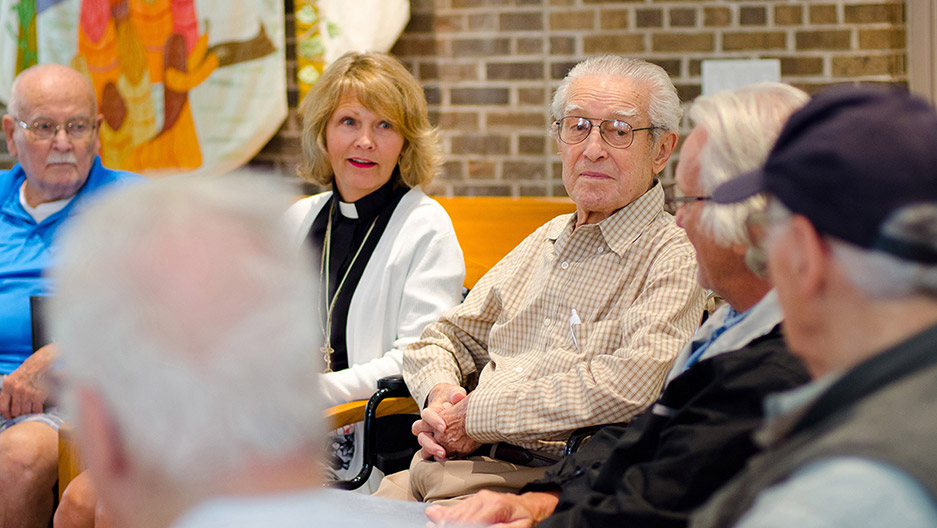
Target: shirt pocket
(600, 337)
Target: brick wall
(489, 67)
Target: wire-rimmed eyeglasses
(43, 129)
(615, 132)
(672, 203)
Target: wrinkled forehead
(607, 97)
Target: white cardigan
(414, 275)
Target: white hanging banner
(325, 29)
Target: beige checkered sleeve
(455, 349)
(575, 327)
(628, 358)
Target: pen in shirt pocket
(574, 321)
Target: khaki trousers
(452, 481)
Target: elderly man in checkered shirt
(581, 322)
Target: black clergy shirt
(350, 223)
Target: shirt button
(518, 369)
(546, 321)
(598, 249)
(565, 265)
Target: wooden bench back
(490, 227)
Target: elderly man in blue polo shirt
(51, 128)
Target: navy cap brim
(740, 188)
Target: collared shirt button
(546, 321)
(518, 369)
(598, 249)
(565, 265)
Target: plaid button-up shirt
(536, 371)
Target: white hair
(882, 275)
(876, 273)
(187, 306)
(741, 127)
(664, 108)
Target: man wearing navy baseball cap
(850, 234)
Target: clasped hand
(24, 390)
(441, 427)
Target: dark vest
(893, 424)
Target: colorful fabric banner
(325, 29)
(184, 85)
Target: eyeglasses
(675, 202)
(47, 129)
(616, 133)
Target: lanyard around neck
(327, 349)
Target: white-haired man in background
(183, 319)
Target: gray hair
(741, 127)
(882, 275)
(186, 305)
(14, 107)
(664, 108)
(879, 274)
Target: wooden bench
(487, 229)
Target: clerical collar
(348, 210)
(369, 206)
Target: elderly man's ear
(663, 150)
(808, 257)
(100, 440)
(98, 120)
(8, 127)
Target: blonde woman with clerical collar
(390, 263)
